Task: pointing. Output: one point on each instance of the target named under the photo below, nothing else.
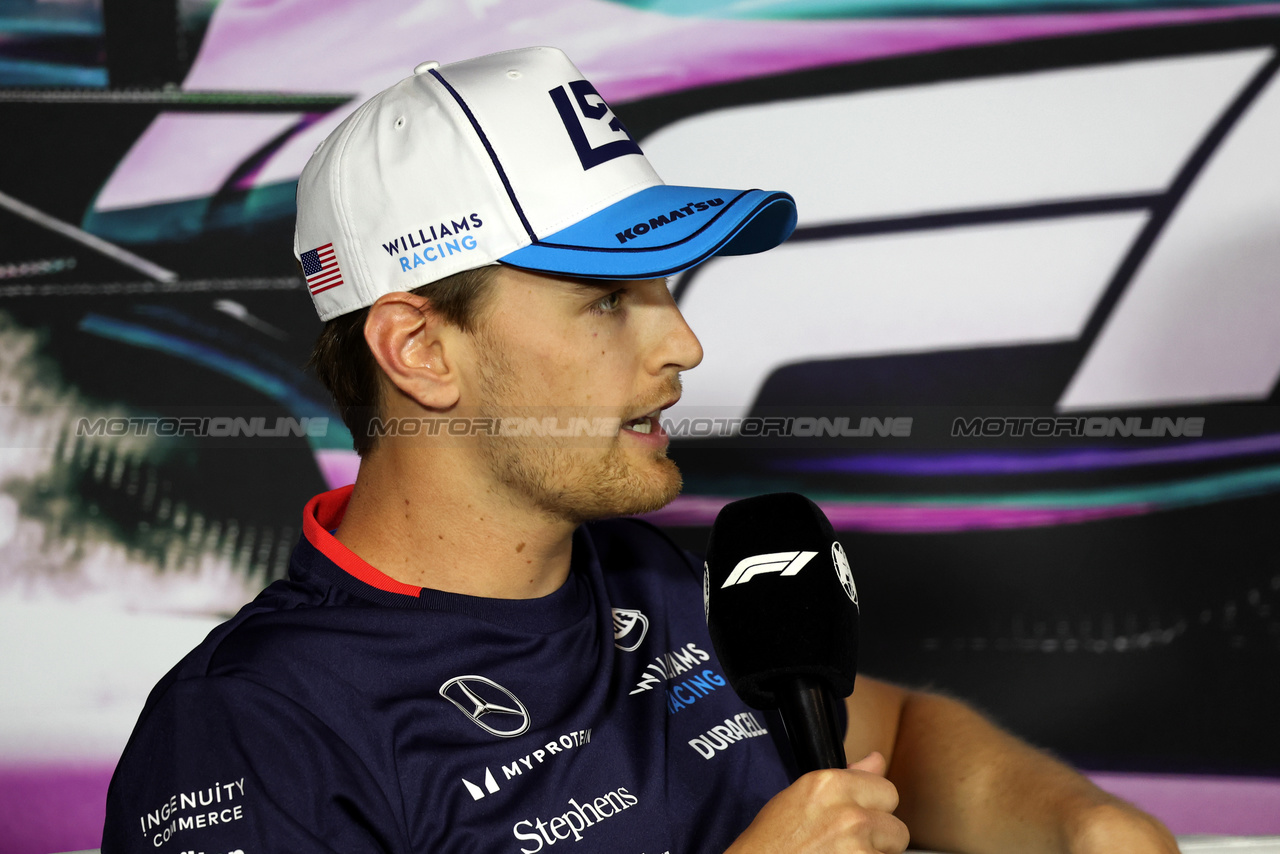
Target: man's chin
(660, 497)
(635, 494)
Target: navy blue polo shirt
(345, 711)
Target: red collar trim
(324, 513)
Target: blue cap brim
(662, 230)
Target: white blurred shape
(212, 146)
(1201, 319)
(1102, 130)
(8, 518)
(978, 286)
(77, 671)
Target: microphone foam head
(780, 598)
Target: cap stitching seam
(357, 257)
(494, 174)
(488, 147)
(746, 219)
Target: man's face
(564, 349)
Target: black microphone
(782, 610)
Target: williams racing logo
(434, 242)
(596, 133)
(666, 669)
(487, 705)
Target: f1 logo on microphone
(597, 134)
(786, 563)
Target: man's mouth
(644, 424)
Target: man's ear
(413, 345)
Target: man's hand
(830, 811)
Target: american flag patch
(321, 269)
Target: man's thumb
(873, 763)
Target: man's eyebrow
(584, 285)
(590, 285)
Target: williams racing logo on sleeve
(676, 672)
(596, 133)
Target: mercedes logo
(487, 705)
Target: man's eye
(610, 303)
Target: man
(457, 662)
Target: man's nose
(679, 347)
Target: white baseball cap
(510, 158)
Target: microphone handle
(809, 715)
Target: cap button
(424, 67)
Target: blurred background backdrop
(1023, 347)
